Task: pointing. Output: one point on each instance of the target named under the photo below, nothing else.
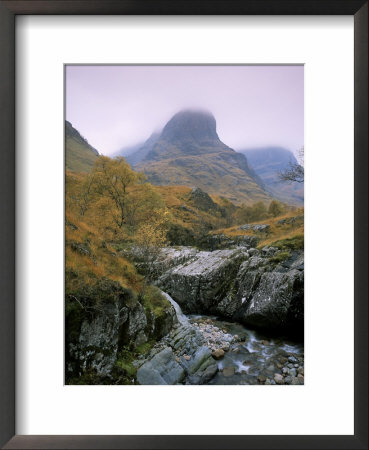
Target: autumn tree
(257, 211)
(141, 203)
(114, 179)
(85, 194)
(150, 238)
(275, 208)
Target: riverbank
(206, 350)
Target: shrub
(294, 243)
(279, 257)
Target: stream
(250, 357)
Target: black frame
(8, 10)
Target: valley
(185, 267)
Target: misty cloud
(119, 106)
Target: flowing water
(182, 318)
(252, 356)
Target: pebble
(293, 359)
(228, 371)
(217, 354)
(187, 357)
(278, 378)
(226, 346)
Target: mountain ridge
(268, 162)
(189, 152)
(80, 156)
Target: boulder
(201, 283)
(244, 285)
(274, 298)
(161, 369)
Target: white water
(182, 319)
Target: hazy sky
(118, 106)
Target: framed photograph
(184, 225)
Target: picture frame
(8, 11)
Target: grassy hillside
(216, 173)
(80, 156)
(285, 231)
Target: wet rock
(293, 359)
(202, 283)
(209, 373)
(161, 369)
(239, 284)
(202, 356)
(228, 371)
(225, 346)
(218, 354)
(274, 299)
(278, 378)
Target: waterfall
(182, 319)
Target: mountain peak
(191, 125)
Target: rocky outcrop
(182, 357)
(203, 201)
(221, 241)
(201, 283)
(100, 320)
(272, 296)
(161, 369)
(257, 227)
(263, 288)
